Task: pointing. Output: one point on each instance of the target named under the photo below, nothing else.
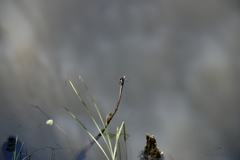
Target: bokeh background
(182, 58)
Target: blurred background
(181, 57)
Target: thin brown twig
(121, 82)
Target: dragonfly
(122, 79)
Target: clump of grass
(112, 149)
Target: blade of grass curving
(84, 105)
(94, 103)
(87, 131)
(75, 117)
(117, 138)
(20, 150)
(116, 143)
(16, 139)
(109, 142)
(88, 109)
(25, 150)
(119, 151)
(115, 147)
(36, 151)
(79, 96)
(100, 116)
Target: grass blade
(15, 156)
(109, 143)
(117, 138)
(94, 103)
(84, 105)
(36, 151)
(87, 131)
(79, 96)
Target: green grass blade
(95, 105)
(87, 131)
(75, 117)
(79, 96)
(117, 138)
(84, 105)
(109, 143)
(20, 150)
(36, 151)
(16, 139)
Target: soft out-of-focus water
(181, 57)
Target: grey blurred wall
(182, 58)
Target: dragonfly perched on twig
(122, 79)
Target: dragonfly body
(122, 79)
